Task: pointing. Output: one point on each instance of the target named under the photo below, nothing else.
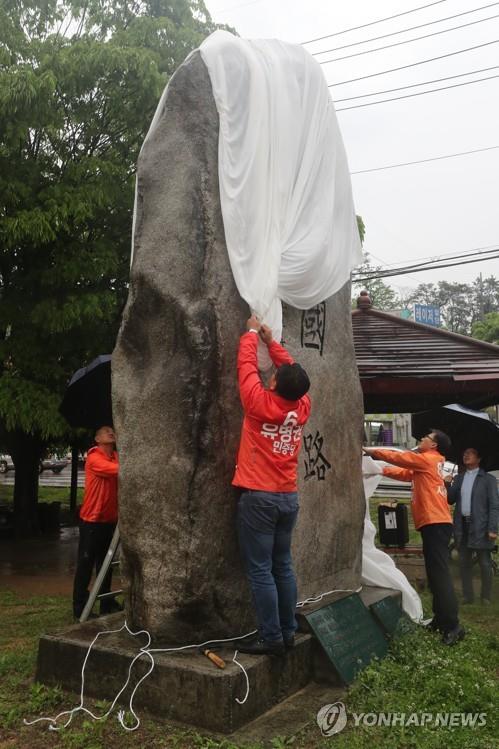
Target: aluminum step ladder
(111, 559)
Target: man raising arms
(266, 472)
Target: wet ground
(42, 565)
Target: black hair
(444, 444)
(291, 381)
(472, 447)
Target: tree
(382, 296)
(487, 329)
(79, 83)
(457, 302)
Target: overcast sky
(443, 207)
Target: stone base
(184, 686)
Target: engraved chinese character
(316, 464)
(313, 327)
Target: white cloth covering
(379, 568)
(285, 188)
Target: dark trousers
(95, 539)
(466, 567)
(265, 522)
(436, 539)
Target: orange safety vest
(100, 500)
(425, 470)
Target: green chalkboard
(389, 614)
(348, 634)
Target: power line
(418, 93)
(415, 85)
(424, 161)
(414, 64)
(403, 31)
(372, 23)
(418, 269)
(443, 256)
(408, 41)
(478, 252)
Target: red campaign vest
(272, 428)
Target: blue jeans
(265, 522)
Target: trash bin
(49, 516)
(393, 523)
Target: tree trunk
(26, 451)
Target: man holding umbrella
(98, 518)
(476, 518)
(432, 518)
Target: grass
(45, 494)
(419, 675)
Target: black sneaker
(453, 637)
(263, 647)
(289, 642)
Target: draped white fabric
(285, 188)
(377, 567)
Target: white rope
(147, 651)
(316, 599)
(241, 702)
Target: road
(47, 478)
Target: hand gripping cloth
(285, 190)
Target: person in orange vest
(266, 472)
(432, 518)
(98, 518)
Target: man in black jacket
(476, 518)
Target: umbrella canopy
(87, 400)
(466, 428)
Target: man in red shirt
(266, 471)
(98, 518)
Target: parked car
(52, 463)
(6, 464)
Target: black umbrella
(466, 428)
(87, 400)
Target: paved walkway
(39, 566)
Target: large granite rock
(176, 404)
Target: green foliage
(463, 306)
(361, 227)
(420, 675)
(382, 296)
(487, 329)
(79, 83)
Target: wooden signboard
(390, 616)
(348, 634)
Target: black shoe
(110, 607)
(468, 601)
(289, 642)
(486, 601)
(263, 647)
(453, 637)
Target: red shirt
(425, 470)
(272, 427)
(100, 501)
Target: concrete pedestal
(184, 686)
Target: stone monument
(176, 403)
